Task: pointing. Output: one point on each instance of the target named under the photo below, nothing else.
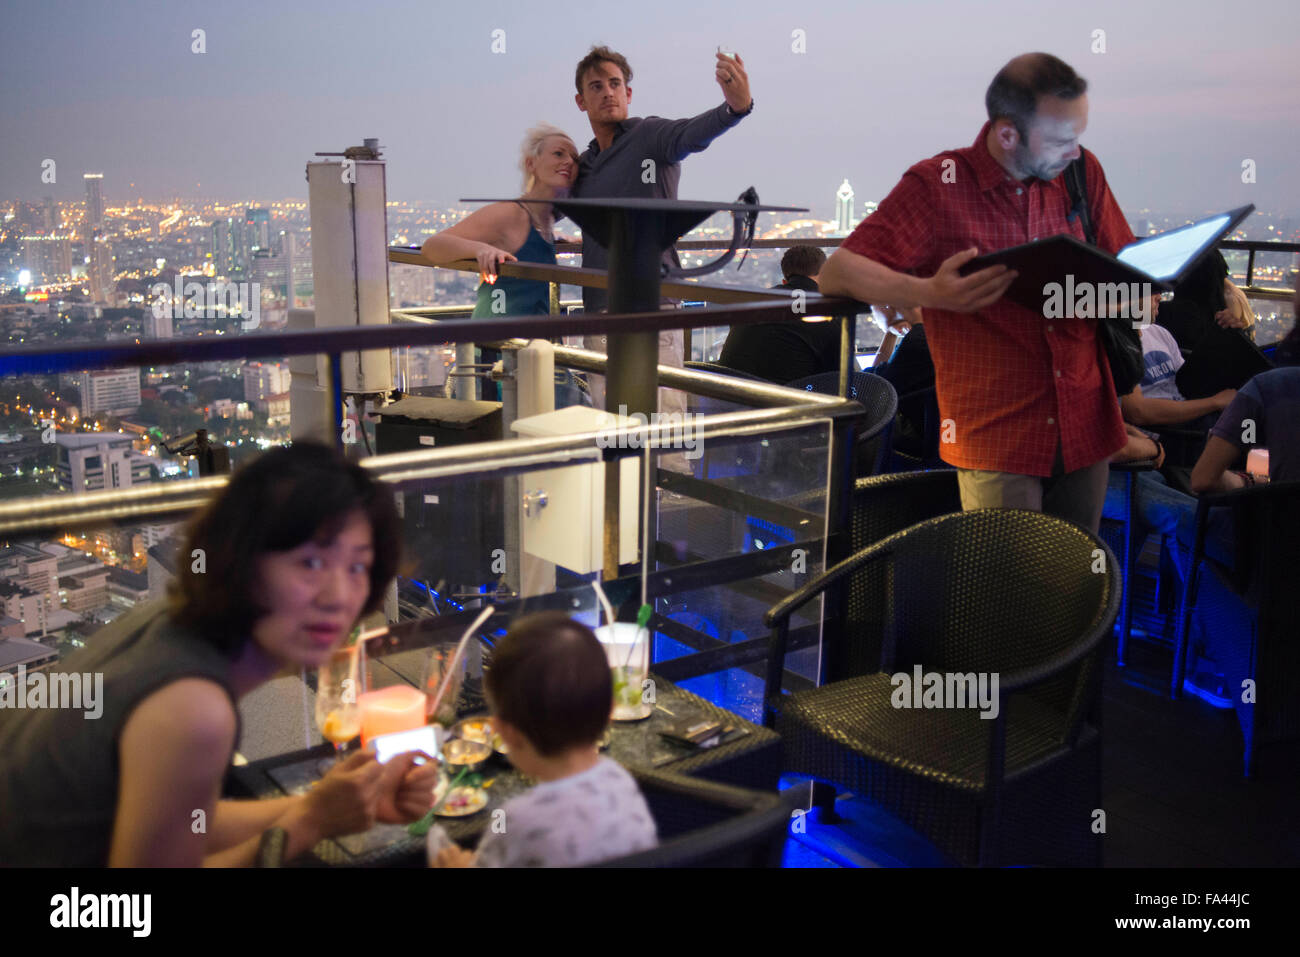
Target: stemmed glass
(338, 716)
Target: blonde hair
(532, 148)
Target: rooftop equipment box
(568, 529)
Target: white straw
(306, 712)
(604, 603)
(484, 615)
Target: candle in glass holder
(1257, 463)
(396, 708)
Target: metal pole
(632, 375)
(846, 353)
(336, 394)
(632, 370)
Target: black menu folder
(1161, 260)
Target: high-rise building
(158, 327)
(272, 268)
(844, 209)
(115, 391)
(229, 251)
(94, 203)
(91, 461)
(99, 254)
(99, 269)
(257, 229)
(410, 285)
(50, 215)
(48, 257)
(262, 379)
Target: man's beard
(1026, 164)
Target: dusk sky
(1182, 95)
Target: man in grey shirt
(641, 157)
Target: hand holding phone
(425, 740)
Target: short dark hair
(1014, 92)
(802, 260)
(601, 54)
(550, 678)
(284, 498)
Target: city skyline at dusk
(841, 91)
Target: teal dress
(522, 297)
(515, 297)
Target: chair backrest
(722, 370)
(921, 406)
(1026, 596)
(883, 505)
(1006, 592)
(706, 824)
(880, 400)
(722, 458)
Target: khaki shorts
(1076, 496)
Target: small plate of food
(460, 801)
(480, 729)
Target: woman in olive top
(514, 232)
(273, 575)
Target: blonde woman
(514, 231)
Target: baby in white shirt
(551, 695)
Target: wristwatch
(734, 113)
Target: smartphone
(426, 739)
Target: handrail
(596, 278)
(33, 516)
(76, 356)
(593, 278)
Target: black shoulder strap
(1076, 182)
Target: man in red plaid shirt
(1027, 406)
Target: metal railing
(773, 408)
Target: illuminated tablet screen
(1163, 257)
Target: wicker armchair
(706, 824)
(1020, 595)
(874, 448)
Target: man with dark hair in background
(641, 157)
(1027, 405)
(794, 348)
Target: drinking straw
(306, 712)
(604, 603)
(484, 615)
(642, 619)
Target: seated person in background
(793, 349)
(1156, 507)
(909, 369)
(1156, 401)
(551, 694)
(1204, 299)
(1265, 414)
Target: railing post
(848, 335)
(336, 397)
